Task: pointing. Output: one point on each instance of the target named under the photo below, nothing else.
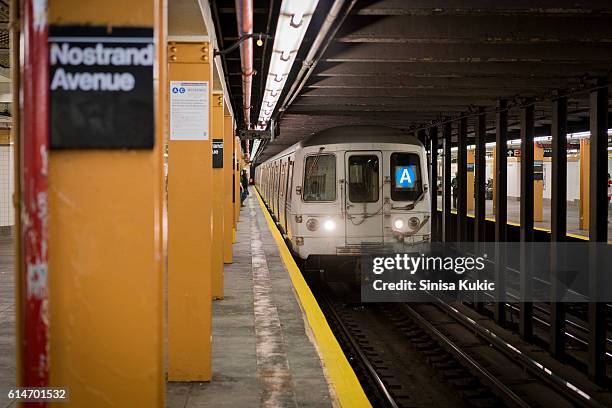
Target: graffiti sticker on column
(101, 87)
(189, 103)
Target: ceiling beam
(462, 7)
(444, 29)
(402, 93)
(401, 82)
(462, 69)
(538, 52)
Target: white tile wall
(7, 213)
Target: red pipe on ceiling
(244, 17)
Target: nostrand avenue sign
(101, 87)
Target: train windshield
(363, 179)
(406, 180)
(320, 178)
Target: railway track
(392, 373)
(576, 326)
(460, 360)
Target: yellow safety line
(349, 392)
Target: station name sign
(217, 153)
(101, 87)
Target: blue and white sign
(404, 176)
(189, 103)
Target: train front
(362, 197)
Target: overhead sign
(217, 153)
(189, 103)
(404, 176)
(101, 87)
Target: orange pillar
(106, 266)
(190, 214)
(228, 188)
(494, 179)
(217, 198)
(583, 209)
(470, 180)
(238, 155)
(538, 184)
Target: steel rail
(364, 359)
(565, 387)
(506, 393)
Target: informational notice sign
(101, 87)
(189, 103)
(217, 153)
(538, 170)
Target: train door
(279, 169)
(273, 199)
(288, 185)
(364, 198)
(281, 193)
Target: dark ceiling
(408, 64)
(265, 14)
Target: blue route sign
(404, 176)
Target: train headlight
(398, 224)
(414, 223)
(312, 224)
(329, 225)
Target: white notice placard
(189, 110)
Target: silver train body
(349, 189)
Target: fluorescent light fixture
(254, 149)
(291, 27)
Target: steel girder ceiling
(410, 63)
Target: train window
(406, 180)
(320, 178)
(363, 179)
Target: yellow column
(494, 179)
(470, 180)
(238, 155)
(105, 250)
(583, 209)
(190, 231)
(228, 188)
(538, 185)
(217, 197)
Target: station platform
(7, 318)
(266, 352)
(263, 351)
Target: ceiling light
(291, 27)
(256, 144)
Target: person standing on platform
(244, 187)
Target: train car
(347, 190)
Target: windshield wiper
(414, 203)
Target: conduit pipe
(244, 17)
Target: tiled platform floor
(7, 318)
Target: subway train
(348, 190)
